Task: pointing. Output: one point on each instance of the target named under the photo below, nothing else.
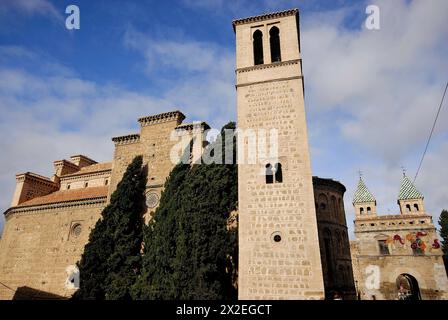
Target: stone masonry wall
(38, 245)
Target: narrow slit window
(274, 40)
(258, 47)
(269, 174)
(278, 173)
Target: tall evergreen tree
(443, 222)
(189, 248)
(111, 260)
(156, 281)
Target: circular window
(276, 237)
(76, 230)
(152, 199)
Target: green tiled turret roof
(362, 194)
(408, 190)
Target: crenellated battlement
(267, 16)
(127, 139)
(162, 117)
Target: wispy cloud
(370, 95)
(51, 116)
(384, 88)
(204, 73)
(32, 7)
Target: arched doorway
(407, 287)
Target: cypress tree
(156, 279)
(443, 222)
(190, 253)
(111, 260)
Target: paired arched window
(361, 210)
(274, 41)
(258, 47)
(408, 208)
(274, 173)
(369, 210)
(416, 207)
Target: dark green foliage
(443, 222)
(111, 260)
(190, 253)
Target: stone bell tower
(278, 239)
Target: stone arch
(258, 47)
(408, 287)
(334, 207)
(328, 251)
(392, 276)
(338, 238)
(274, 41)
(323, 202)
(341, 206)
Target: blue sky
(371, 96)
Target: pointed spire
(362, 194)
(408, 190)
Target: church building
(293, 239)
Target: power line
(430, 135)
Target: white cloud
(50, 117)
(204, 71)
(383, 86)
(54, 114)
(31, 7)
(386, 87)
(389, 81)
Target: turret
(410, 199)
(364, 202)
